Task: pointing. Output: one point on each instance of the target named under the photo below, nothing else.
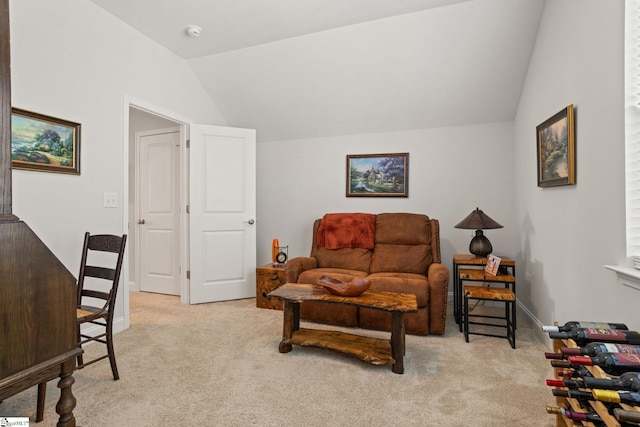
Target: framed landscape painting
(556, 149)
(378, 175)
(44, 143)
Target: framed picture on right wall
(556, 147)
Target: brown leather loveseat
(398, 252)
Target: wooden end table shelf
(373, 350)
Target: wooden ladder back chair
(101, 313)
(101, 316)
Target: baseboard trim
(133, 287)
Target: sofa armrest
(438, 276)
(297, 265)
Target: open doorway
(216, 222)
(154, 202)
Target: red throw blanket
(347, 230)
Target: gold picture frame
(44, 143)
(556, 149)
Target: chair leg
(465, 319)
(511, 325)
(42, 393)
(80, 359)
(111, 352)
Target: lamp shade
(477, 220)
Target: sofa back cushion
(403, 244)
(349, 258)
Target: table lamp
(477, 220)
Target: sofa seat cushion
(329, 314)
(414, 323)
(406, 283)
(346, 275)
(322, 312)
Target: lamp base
(480, 246)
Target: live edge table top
(388, 301)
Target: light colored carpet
(218, 365)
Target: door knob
(141, 221)
(250, 222)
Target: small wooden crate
(269, 278)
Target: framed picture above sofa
(378, 175)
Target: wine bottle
(574, 372)
(592, 349)
(611, 363)
(554, 356)
(571, 325)
(562, 363)
(628, 381)
(613, 396)
(576, 416)
(595, 348)
(567, 383)
(630, 416)
(587, 335)
(582, 396)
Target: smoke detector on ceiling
(193, 30)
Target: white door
(222, 234)
(158, 219)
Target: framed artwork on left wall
(44, 143)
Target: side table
(269, 278)
(469, 260)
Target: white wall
(567, 234)
(451, 172)
(73, 60)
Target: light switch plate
(110, 200)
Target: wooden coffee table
(373, 350)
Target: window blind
(632, 124)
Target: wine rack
(597, 406)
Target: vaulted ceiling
(301, 69)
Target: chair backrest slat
(104, 243)
(96, 294)
(99, 272)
